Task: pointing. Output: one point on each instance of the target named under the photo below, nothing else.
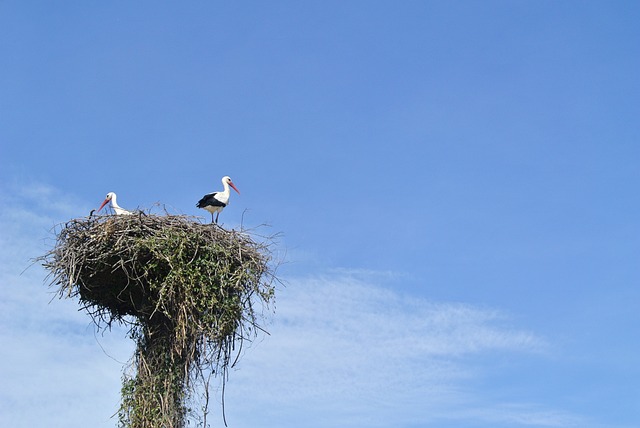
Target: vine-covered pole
(190, 293)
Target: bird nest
(189, 290)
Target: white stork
(216, 201)
(114, 204)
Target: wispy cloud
(346, 352)
(54, 370)
(527, 415)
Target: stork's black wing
(209, 200)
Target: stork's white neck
(118, 210)
(226, 190)
(114, 202)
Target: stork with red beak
(216, 201)
(114, 204)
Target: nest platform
(147, 265)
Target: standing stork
(114, 204)
(216, 201)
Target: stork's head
(227, 180)
(110, 196)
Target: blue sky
(454, 183)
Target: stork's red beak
(234, 187)
(103, 204)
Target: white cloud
(528, 415)
(345, 352)
(54, 370)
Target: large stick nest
(168, 270)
